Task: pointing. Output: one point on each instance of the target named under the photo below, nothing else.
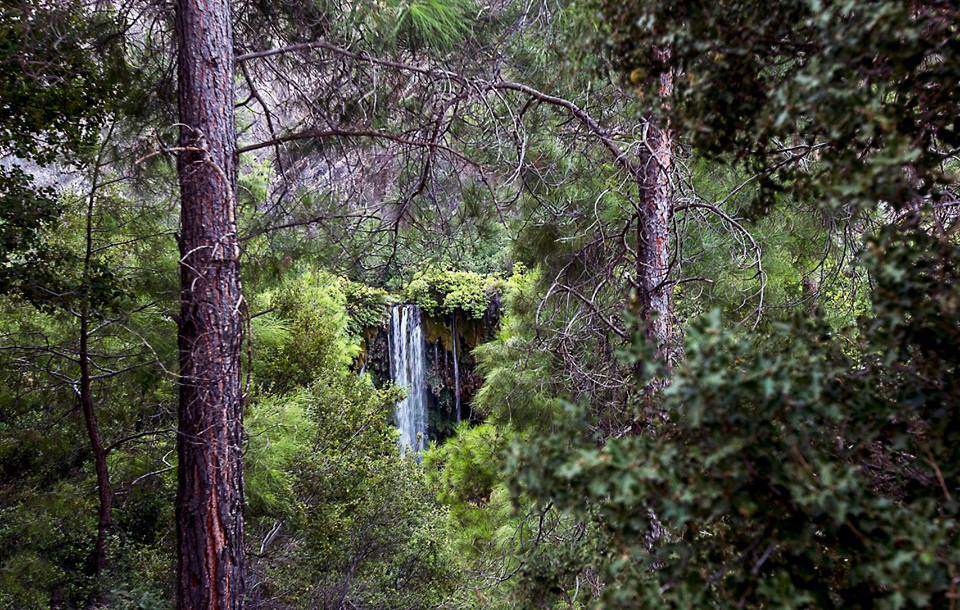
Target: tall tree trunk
(104, 489)
(655, 295)
(87, 407)
(210, 569)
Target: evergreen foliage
(789, 474)
(431, 23)
(322, 461)
(866, 86)
(495, 164)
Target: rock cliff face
(452, 379)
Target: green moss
(441, 293)
(367, 307)
(438, 329)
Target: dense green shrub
(357, 523)
(467, 474)
(519, 388)
(789, 473)
(366, 306)
(441, 293)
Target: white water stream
(408, 369)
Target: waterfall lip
(406, 345)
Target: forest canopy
(457, 304)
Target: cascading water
(454, 340)
(408, 369)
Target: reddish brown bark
(655, 298)
(210, 571)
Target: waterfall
(456, 365)
(408, 368)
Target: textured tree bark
(210, 568)
(654, 294)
